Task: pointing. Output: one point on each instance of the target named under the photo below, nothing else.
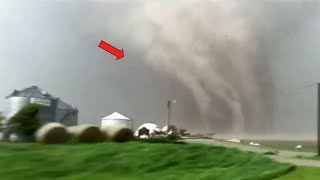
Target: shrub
(26, 121)
(86, 134)
(52, 133)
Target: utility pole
(318, 122)
(132, 124)
(169, 110)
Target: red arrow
(112, 50)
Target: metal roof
(116, 116)
(32, 91)
(36, 92)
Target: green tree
(26, 121)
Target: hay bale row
(56, 133)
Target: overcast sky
(53, 44)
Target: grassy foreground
(302, 173)
(134, 160)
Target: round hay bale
(52, 133)
(86, 134)
(118, 134)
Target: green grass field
(302, 173)
(134, 160)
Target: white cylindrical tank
(17, 103)
(115, 123)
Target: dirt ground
(282, 156)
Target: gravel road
(283, 156)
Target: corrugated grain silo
(52, 110)
(66, 114)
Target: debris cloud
(210, 49)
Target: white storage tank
(116, 120)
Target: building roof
(32, 91)
(116, 116)
(36, 92)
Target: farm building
(53, 109)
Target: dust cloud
(210, 49)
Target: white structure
(152, 128)
(116, 119)
(254, 144)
